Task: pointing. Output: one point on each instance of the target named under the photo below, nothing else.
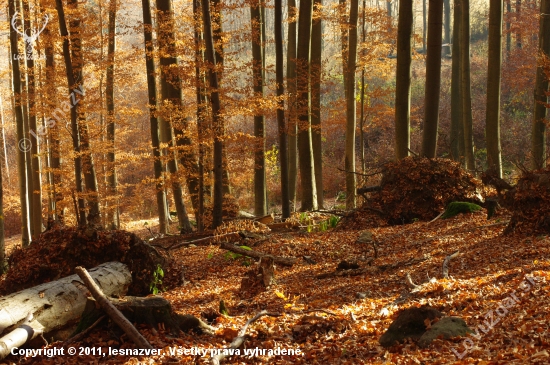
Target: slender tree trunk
(260, 189)
(508, 26)
(307, 168)
(36, 187)
(344, 42)
(21, 136)
(424, 27)
(447, 26)
(292, 115)
(466, 91)
(362, 120)
(170, 86)
(433, 79)
(494, 66)
(403, 80)
(316, 73)
(3, 263)
(518, 19)
(538, 138)
(217, 122)
(351, 107)
(457, 128)
(279, 75)
(4, 145)
(155, 138)
(113, 219)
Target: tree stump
(259, 278)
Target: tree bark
(316, 73)
(466, 91)
(217, 122)
(508, 26)
(113, 217)
(307, 168)
(351, 107)
(457, 128)
(49, 302)
(424, 27)
(283, 134)
(21, 137)
(260, 189)
(447, 26)
(433, 79)
(494, 66)
(538, 139)
(292, 115)
(152, 98)
(403, 80)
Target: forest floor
(338, 320)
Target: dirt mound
(420, 188)
(55, 254)
(529, 202)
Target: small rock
(410, 323)
(445, 328)
(365, 237)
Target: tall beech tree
(22, 142)
(153, 120)
(465, 80)
(291, 109)
(351, 106)
(403, 80)
(494, 67)
(281, 108)
(260, 188)
(538, 139)
(172, 120)
(433, 79)
(457, 127)
(217, 122)
(307, 168)
(315, 77)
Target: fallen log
(111, 311)
(59, 303)
(25, 332)
(228, 237)
(284, 261)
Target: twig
(436, 218)
(414, 153)
(208, 240)
(446, 264)
(410, 282)
(238, 341)
(82, 334)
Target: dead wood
(284, 261)
(356, 272)
(239, 340)
(111, 311)
(25, 332)
(228, 237)
(446, 264)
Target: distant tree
(403, 80)
(433, 79)
(494, 67)
(447, 26)
(260, 188)
(351, 106)
(316, 72)
(538, 143)
(292, 114)
(424, 23)
(466, 91)
(307, 169)
(457, 127)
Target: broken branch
(446, 264)
(284, 261)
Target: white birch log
(59, 303)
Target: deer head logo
(33, 32)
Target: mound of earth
(420, 188)
(529, 203)
(55, 254)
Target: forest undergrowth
(339, 319)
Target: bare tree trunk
(307, 168)
(316, 73)
(403, 80)
(155, 138)
(344, 41)
(447, 26)
(292, 115)
(538, 139)
(424, 27)
(3, 263)
(457, 128)
(36, 185)
(21, 136)
(494, 66)
(113, 218)
(518, 19)
(362, 118)
(433, 80)
(508, 26)
(466, 91)
(260, 189)
(351, 107)
(217, 121)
